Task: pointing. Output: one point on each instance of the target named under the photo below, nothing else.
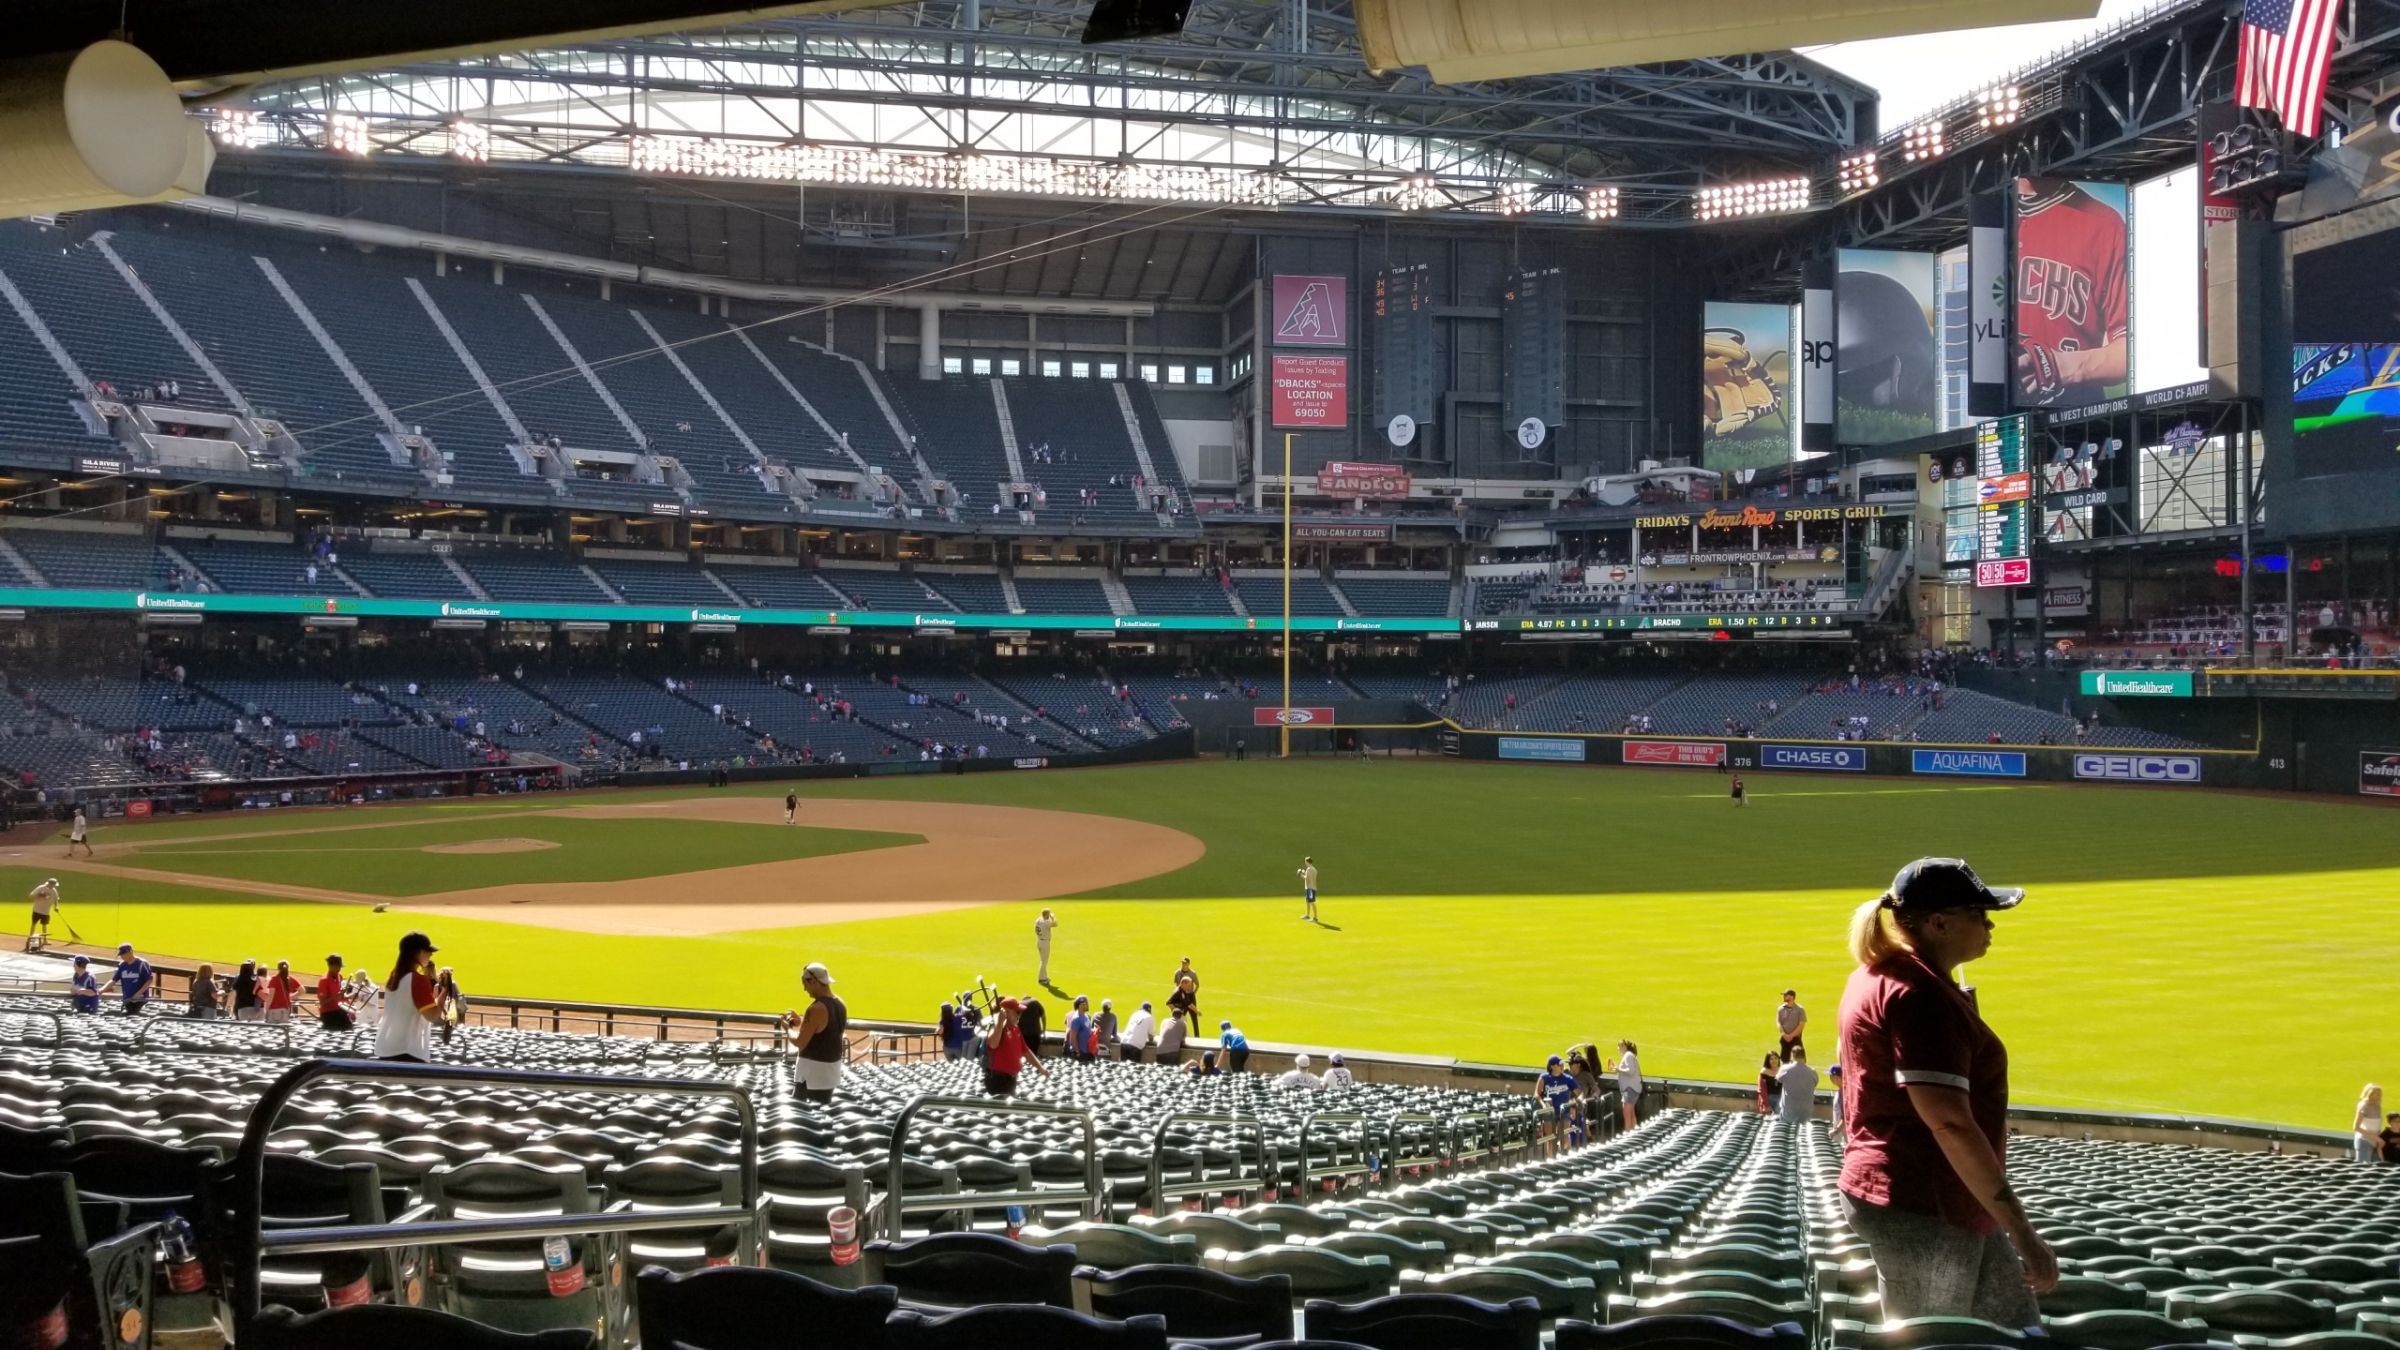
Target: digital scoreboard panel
(2003, 503)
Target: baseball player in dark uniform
(2071, 295)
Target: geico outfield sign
(2139, 768)
(2138, 683)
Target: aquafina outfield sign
(2137, 683)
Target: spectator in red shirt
(330, 1013)
(281, 988)
(1924, 1180)
(1005, 1053)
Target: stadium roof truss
(1259, 105)
(2120, 106)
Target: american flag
(2287, 46)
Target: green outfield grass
(2181, 951)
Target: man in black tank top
(821, 1033)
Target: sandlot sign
(1343, 478)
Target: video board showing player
(1745, 385)
(2073, 317)
(2346, 356)
(1887, 364)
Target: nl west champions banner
(1745, 385)
(2072, 317)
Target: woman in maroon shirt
(1925, 1108)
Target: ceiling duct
(94, 128)
(1466, 40)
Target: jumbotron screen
(2346, 357)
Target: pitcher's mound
(491, 846)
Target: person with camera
(820, 1033)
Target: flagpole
(1283, 721)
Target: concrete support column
(929, 341)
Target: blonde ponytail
(1875, 934)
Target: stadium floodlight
(1861, 171)
(1516, 199)
(346, 134)
(1600, 202)
(470, 142)
(240, 127)
(1999, 106)
(1763, 197)
(1922, 142)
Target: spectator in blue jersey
(1080, 1029)
(1555, 1087)
(134, 978)
(86, 986)
(1235, 1045)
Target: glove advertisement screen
(1746, 413)
(1888, 366)
(2072, 321)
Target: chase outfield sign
(1849, 758)
(2137, 683)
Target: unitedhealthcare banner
(188, 602)
(1851, 758)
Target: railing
(1396, 1162)
(1161, 1191)
(251, 1242)
(1359, 1167)
(897, 1203)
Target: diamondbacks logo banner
(1310, 312)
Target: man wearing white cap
(1298, 1075)
(45, 901)
(820, 1033)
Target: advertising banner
(2379, 773)
(1365, 532)
(492, 611)
(1291, 717)
(1341, 478)
(2005, 572)
(1987, 305)
(1542, 747)
(2139, 768)
(2072, 316)
(1848, 758)
(1887, 373)
(2137, 683)
(1969, 763)
(1310, 391)
(1816, 355)
(1691, 754)
(2008, 487)
(1745, 385)
(1311, 311)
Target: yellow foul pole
(1283, 725)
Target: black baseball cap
(417, 942)
(1930, 885)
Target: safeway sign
(1291, 717)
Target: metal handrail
(1392, 1160)
(1365, 1143)
(250, 1241)
(897, 1202)
(1161, 1192)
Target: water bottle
(348, 1280)
(560, 1267)
(184, 1273)
(1016, 1220)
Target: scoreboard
(1400, 322)
(2003, 503)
